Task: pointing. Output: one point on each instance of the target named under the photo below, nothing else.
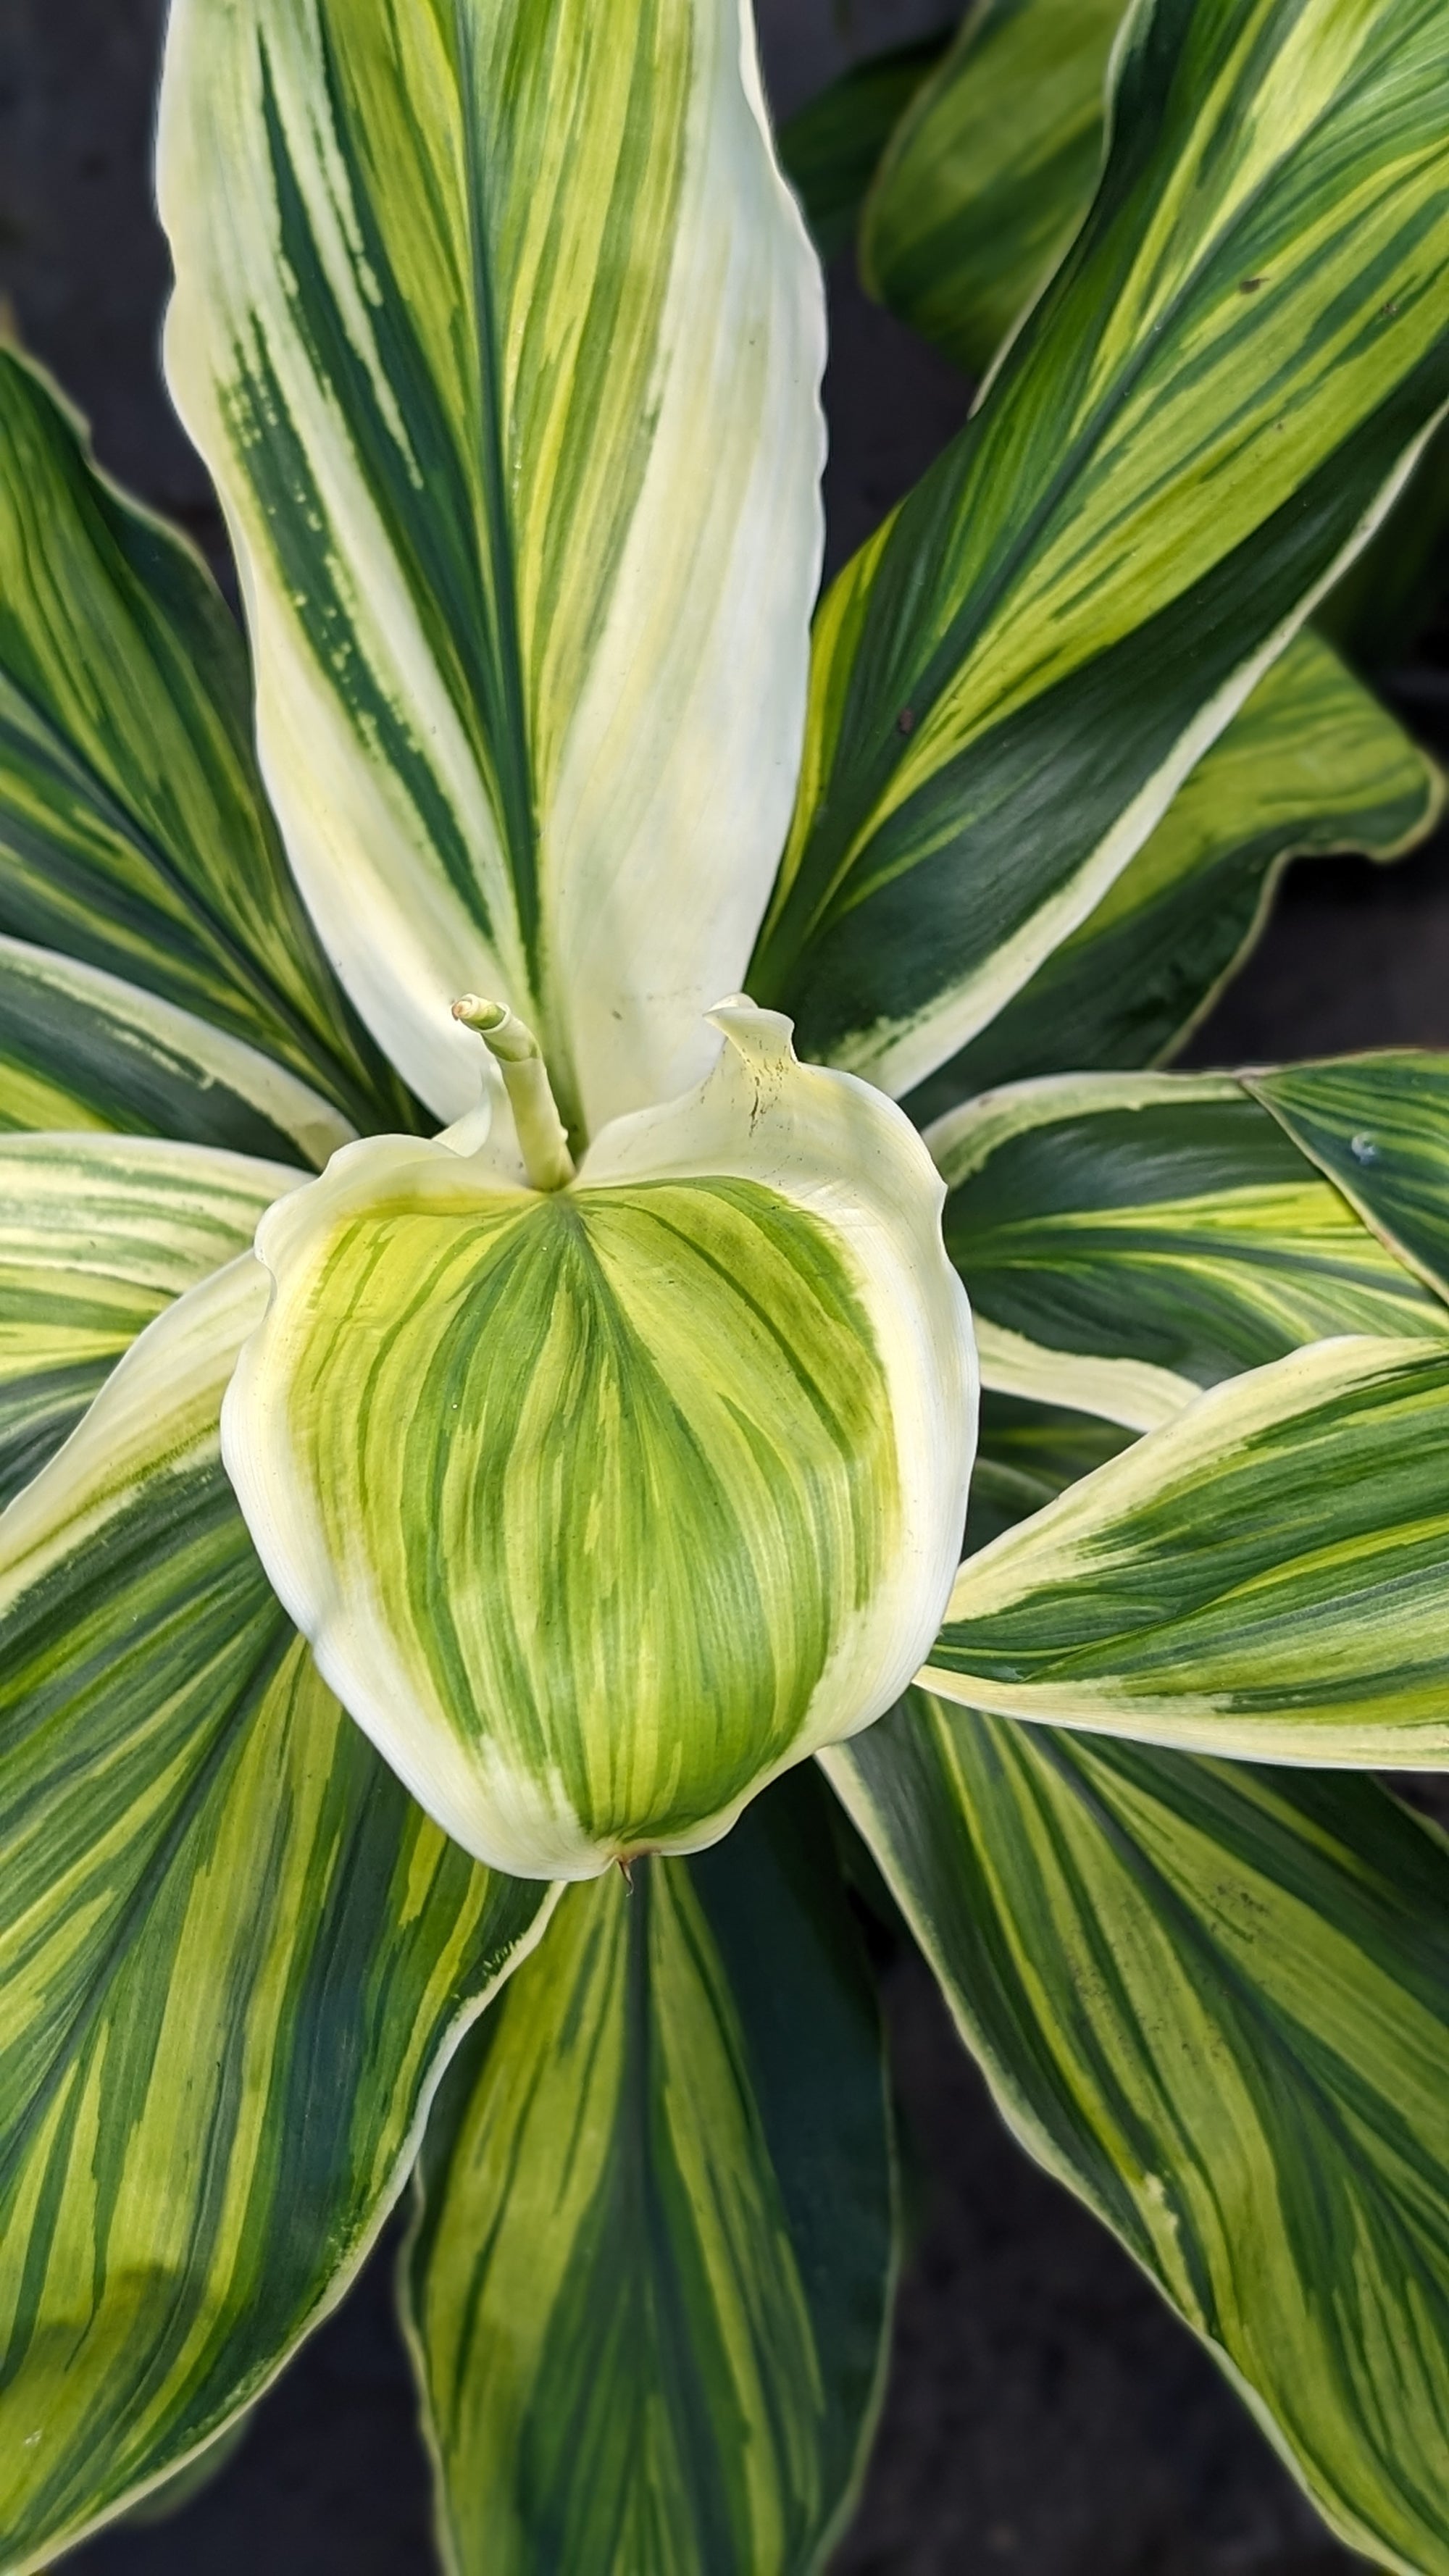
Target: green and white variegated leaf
(1266, 1577)
(649, 2284)
(233, 1955)
(1025, 1454)
(602, 1507)
(133, 831)
(1312, 764)
(501, 332)
(830, 147)
(1378, 1125)
(1213, 2001)
(990, 172)
(1198, 425)
(98, 1235)
(80, 1048)
(1128, 1239)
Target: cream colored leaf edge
(152, 1413)
(823, 1141)
(1065, 1536)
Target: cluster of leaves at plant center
(528, 529)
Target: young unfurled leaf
(501, 333)
(603, 1505)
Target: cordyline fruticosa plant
(392, 1552)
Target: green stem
(511, 1042)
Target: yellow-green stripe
(98, 1235)
(1266, 1576)
(1193, 430)
(649, 2280)
(233, 1955)
(1214, 2001)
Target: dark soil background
(1045, 2413)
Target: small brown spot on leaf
(1250, 285)
(906, 720)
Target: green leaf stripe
(1266, 1576)
(133, 832)
(500, 335)
(829, 148)
(233, 1955)
(1195, 428)
(990, 172)
(654, 1425)
(81, 1049)
(1214, 2001)
(1127, 1239)
(650, 2279)
(97, 1236)
(1378, 1125)
(1312, 764)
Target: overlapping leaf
(133, 833)
(232, 1954)
(990, 172)
(1128, 1239)
(82, 1049)
(603, 1505)
(650, 2280)
(500, 332)
(1193, 430)
(1266, 1576)
(1379, 1126)
(1312, 764)
(98, 1235)
(1215, 2002)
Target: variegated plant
(476, 1407)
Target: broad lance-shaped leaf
(500, 332)
(990, 171)
(650, 2278)
(98, 1234)
(133, 831)
(234, 1956)
(1312, 764)
(81, 1049)
(1128, 1239)
(1378, 1125)
(830, 147)
(1214, 2001)
(1197, 426)
(1265, 1577)
(603, 1505)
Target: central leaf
(602, 1505)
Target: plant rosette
(453, 1445)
